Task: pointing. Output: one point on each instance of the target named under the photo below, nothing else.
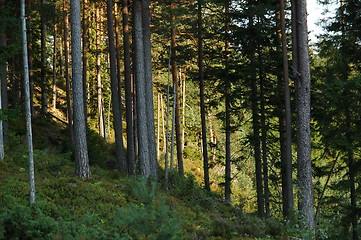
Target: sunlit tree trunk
(101, 117)
(54, 66)
(28, 106)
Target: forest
(179, 119)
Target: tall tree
(303, 101)
(149, 87)
(143, 143)
(28, 105)
(176, 95)
(80, 142)
(66, 70)
(128, 89)
(227, 93)
(85, 26)
(44, 101)
(286, 158)
(116, 106)
(201, 97)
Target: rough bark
(143, 143)
(55, 46)
(201, 97)
(116, 106)
(28, 106)
(80, 143)
(66, 70)
(43, 83)
(128, 89)
(287, 184)
(101, 117)
(175, 86)
(303, 101)
(85, 26)
(149, 88)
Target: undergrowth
(110, 205)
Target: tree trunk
(3, 91)
(149, 88)
(66, 72)
(85, 33)
(201, 97)
(303, 100)
(30, 56)
(228, 177)
(54, 67)
(287, 185)
(44, 100)
(128, 90)
(80, 143)
(101, 117)
(28, 106)
(121, 160)
(175, 86)
(143, 143)
(264, 140)
(256, 126)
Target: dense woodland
(175, 119)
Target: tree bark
(101, 117)
(303, 101)
(55, 46)
(143, 143)
(121, 160)
(66, 72)
(80, 143)
(287, 184)
(175, 86)
(44, 100)
(128, 89)
(28, 106)
(227, 92)
(85, 26)
(149, 88)
(201, 97)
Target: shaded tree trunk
(201, 97)
(303, 100)
(121, 160)
(149, 88)
(128, 89)
(227, 92)
(85, 33)
(143, 143)
(285, 122)
(175, 86)
(28, 106)
(66, 71)
(80, 143)
(44, 100)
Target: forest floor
(109, 205)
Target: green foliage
(153, 219)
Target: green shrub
(151, 219)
